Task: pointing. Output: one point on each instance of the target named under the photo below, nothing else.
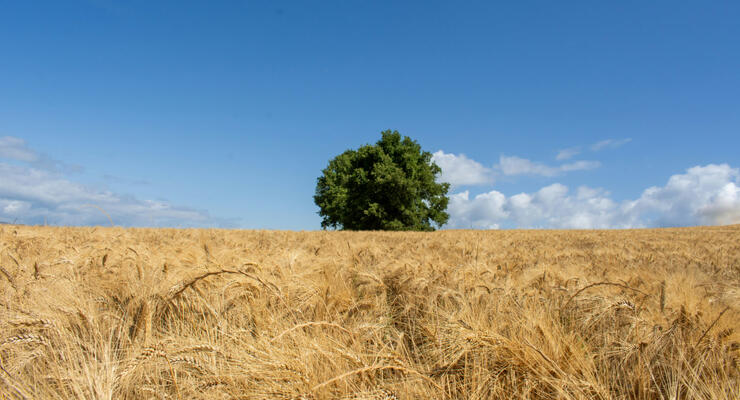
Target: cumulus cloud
(704, 195)
(484, 211)
(33, 195)
(609, 143)
(513, 165)
(459, 170)
(550, 207)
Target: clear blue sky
(224, 113)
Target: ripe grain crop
(112, 313)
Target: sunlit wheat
(113, 313)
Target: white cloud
(521, 166)
(610, 143)
(513, 165)
(566, 154)
(549, 207)
(579, 166)
(15, 149)
(15, 207)
(482, 212)
(32, 195)
(459, 170)
(570, 152)
(704, 195)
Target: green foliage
(387, 186)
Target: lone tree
(387, 186)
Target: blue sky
(542, 114)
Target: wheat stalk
(601, 284)
(312, 323)
(375, 369)
(8, 276)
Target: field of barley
(113, 313)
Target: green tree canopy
(387, 186)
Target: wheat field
(113, 313)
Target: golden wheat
(112, 313)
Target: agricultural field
(113, 313)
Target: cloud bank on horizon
(36, 189)
(703, 195)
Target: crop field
(113, 313)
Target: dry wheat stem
(601, 284)
(8, 277)
(182, 286)
(312, 323)
(711, 326)
(378, 368)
